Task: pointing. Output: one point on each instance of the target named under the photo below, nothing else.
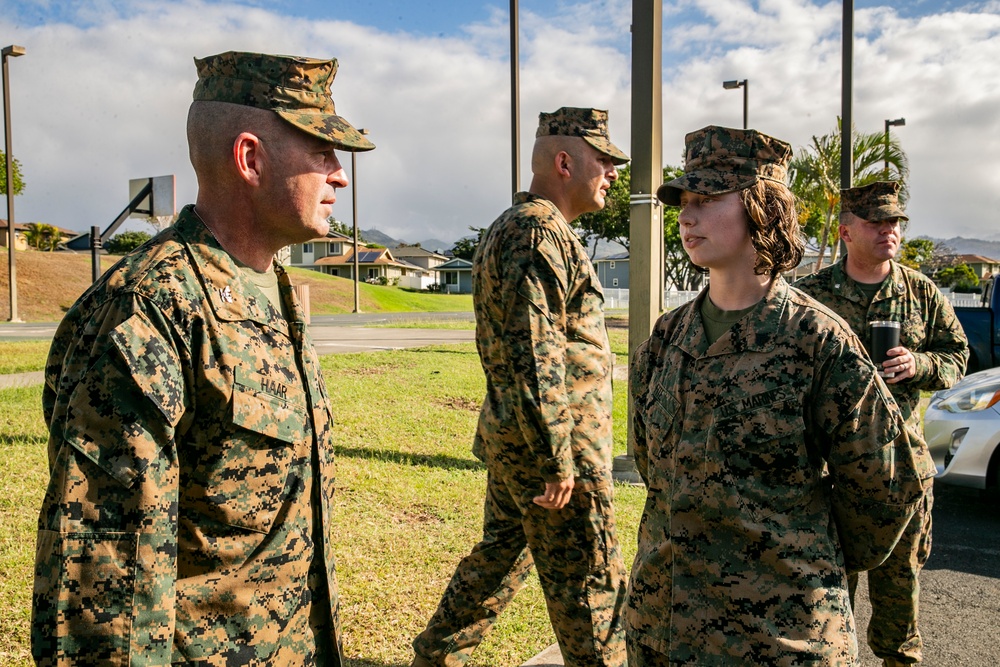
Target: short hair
(212, 127)
(773, 225)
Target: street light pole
(745, 85)
(354, 204)
(515, 102)
(890, 123)
(10, 51)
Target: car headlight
(972, 398)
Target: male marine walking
(545, 426)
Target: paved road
(332, 334)
(45, 330)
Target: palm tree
(41, 236)
(816, 179)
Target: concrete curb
(550, 657)
(22, 379)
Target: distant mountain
(375, 236)
(964, 246)
(436, 245)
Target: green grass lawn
(397, 300)
(408, 503)
(23, 356)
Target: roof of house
(613, 258)
(454, 264)
(22, 226)
(415, 251)
(978, 259)
(378, 257)
(332, 237)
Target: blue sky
(102, 93)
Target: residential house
(334, 256)
(21, 240)
(983, 267)
(20, 243)
(455, 276)
(612, 270)
(425, 259)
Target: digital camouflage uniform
(776, 462)
(932, 333)
(186, 518)
(547, 415)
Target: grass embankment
(408, 505)
(49, 282)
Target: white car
(962, 429)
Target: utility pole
(645, 220)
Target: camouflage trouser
(894, 591)
(640, 655)
(579, 564)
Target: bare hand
(901, 363)
(556, 494)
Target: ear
(248, 157)
(845, 232)
(564, 164)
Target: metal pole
(746, 101)
(354, 204)
(515, 103)
(95, 253)
(846, 106)
(645, 219)
(10, 51)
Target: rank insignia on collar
(226, 294)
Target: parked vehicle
(962, 429)
(982, 328)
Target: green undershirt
(266, 282)
(717, 321)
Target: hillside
(48, 283)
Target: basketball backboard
(160, 201)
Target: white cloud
(97, 105)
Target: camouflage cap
(297, 89)
(590, 124)
(873, 202)
(722, 159)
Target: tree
(16, 179)
(343, 228)
(960, 277)
(42, 236)
(126, 242)
(465, 248)
(915, 253)
(816, 179)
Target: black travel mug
(882, 337)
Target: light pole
(10, 51)
(745, 85)
(354, 204)
(890, 123)
(515, 103)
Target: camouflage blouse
(928, 327)
(544, 348)
(191, 471)
(776, 461)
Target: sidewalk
(22, 379)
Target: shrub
(126, 242)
